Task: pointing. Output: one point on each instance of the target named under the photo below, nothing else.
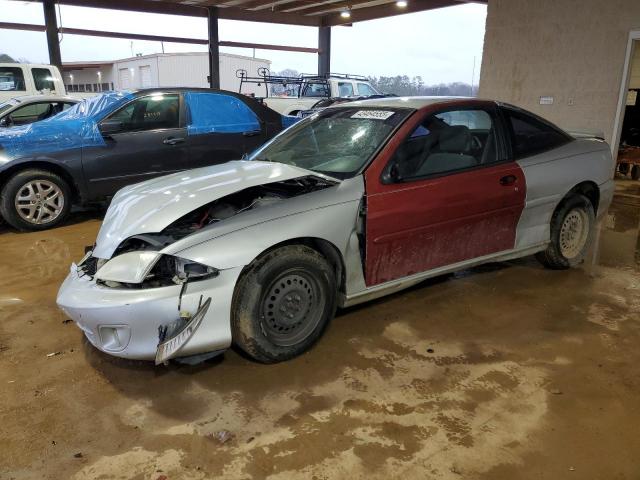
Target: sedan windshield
(337, 142)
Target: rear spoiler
(587, 134)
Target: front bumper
(125, 322)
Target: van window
(43, 79)
(12, 79)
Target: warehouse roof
(297, 12)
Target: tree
(404, 86)
(4, 58)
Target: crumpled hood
(150, 206)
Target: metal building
(159, 70)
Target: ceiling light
(401, 3)
(345, 14)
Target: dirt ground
(508, 371)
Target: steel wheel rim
(291, 308)
(573, 233)
(39, 202)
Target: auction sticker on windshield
(373, 114)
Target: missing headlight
(170, 270)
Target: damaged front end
(143, 262)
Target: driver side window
(445, 143)
(150, 113)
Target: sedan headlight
(151, 269)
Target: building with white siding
(160, 70)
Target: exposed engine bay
(173, 270)
(223, 208)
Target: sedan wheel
(35, 200)
(571, 233)
(282, 303)
(574, 233)
(39, 201)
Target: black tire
(558, 255)
(17, 184)
(282, 303)
(635, 172)
(623, 168)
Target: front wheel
(572, 226)
(34, 200)
(283, 303)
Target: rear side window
(12, 79)
(219, 113)
(531, 135)
(43, 79)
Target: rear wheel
(571, 233)
(35, 200)
(635, 172)
(283, 303)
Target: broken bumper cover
(125, 322)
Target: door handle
(508, 180)
(172, 141)
(251, 133)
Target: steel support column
(51, 29)
(324, 53)
(214, 48)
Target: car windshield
(336, 142)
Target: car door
(447, 195)
(221, 127)
(142, 139)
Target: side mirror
(109, 127)
(6, 121)
(391, 173)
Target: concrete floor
(507, 371)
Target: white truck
(304, 92)
(19, 79)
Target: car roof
(45, 98)
(401, 102)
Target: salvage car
(90, 151)
(354, 202)
(33, 108)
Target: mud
(500, 372)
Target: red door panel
(421, 225)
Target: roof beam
(383, 11)
(340, 5)
(155, 38)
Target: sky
(439, 45)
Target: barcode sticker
(373, 114)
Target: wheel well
(589, 190)
(325, 248)
(50, 167)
